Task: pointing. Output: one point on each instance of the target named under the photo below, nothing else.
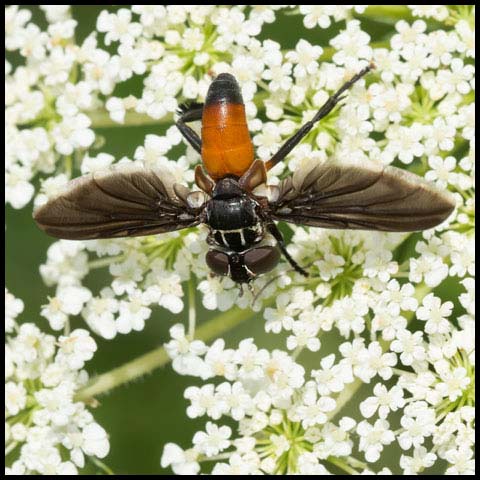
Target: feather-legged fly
(244, 240)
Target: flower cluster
(285, 418)
(46, 430)
(399, 308)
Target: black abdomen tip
(225, 77)
(224, 89)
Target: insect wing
(366, 197)
(123, 201)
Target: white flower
(128, 273)
(72, 133)
(128, 61)
(279, 76)
(91, 440)
(56, 13)
(384, 401)
(468, 299)
(452, 382)
(408, 34)
(183, 462)
(404, 142)
(220, 360)
(133, 313)
(66, 263)
(349, 313)
(13, 307)
(166, 290)
(238, 402)
(18, 189)
(428, 267)
(76, 348)
(418, 422)
(388, 102)
(100, 162)
(387, 323)
(159, 95)
(96, 441)
(456, 78)
(399, 298)
(420, 460)
(372, 361)
(352, 46)
(410, 346)
(15, 398)
(56, 67)
(118, 26)
(434, 313)
(31, 344)
(76, 97)
(332, 378)
(467, 37)
(185, 353)
(461, 461)
(69, 300)
(215, 295)
(463, 258)
(233, 28)
(32, 143)
(57, 405)
(204, 401)
(330, 266)
(373, 438)
(99, 314)
(441, 172)
(250, 359)
(279, 317)
(213, 440)
(440, 135)
(313, 411)
(304, 335)
(304, 57)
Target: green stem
(343, 465)
(382, 12)
(157, 358)
(10, 447)
(105, 262)
(102, 466)
(192, 312)
(101, 119)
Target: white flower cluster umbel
(42, 418)
(396, 310)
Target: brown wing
(366, 197)
(124, 201)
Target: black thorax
(232, 217)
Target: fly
(127, 201)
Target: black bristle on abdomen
(188, 106)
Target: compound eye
(261, 259)
(217, 262)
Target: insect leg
(277, 235)
(327, 107)
(190, 113)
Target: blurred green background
(142, 416)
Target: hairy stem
(157, 358)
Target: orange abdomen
(226, 144)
